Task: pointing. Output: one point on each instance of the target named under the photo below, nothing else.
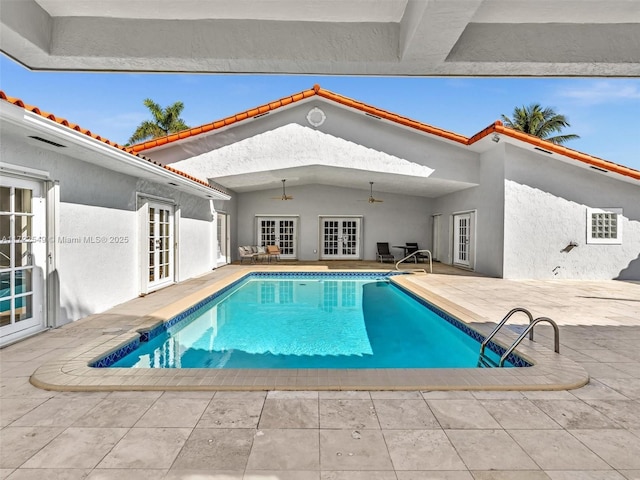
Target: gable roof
(73, 126)
(496, 127)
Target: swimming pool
(308, 321)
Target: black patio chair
(412, 248)
(383, 253)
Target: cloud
(603, 91)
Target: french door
(160, 245)
(462, 239)
(280, 231)
(22, 257)
(340, 238)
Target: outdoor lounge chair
(247, 253)
(383, 253)
(273, 251)
(413, 247)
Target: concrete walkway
(592, 433)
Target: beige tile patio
(404, 414)
(289, 413)
(557, 450)
(422, 450)
(119, 474)
(574, 414)
(339, 450)
(462, 414)
(57, 412)
(281, 475)
(215, 449)
(350, 475)
(229, 412)
(510, 475)
(518, 414)
(204, 475)
(112, 412)
(434, 475)
(489, 450)
(358, 414)
(18, 444)
(173, 412)
(77, 447)
(619, 448)
(585, 475)
(13, 408)
(285, 449)
(147, 448)
(50, 474)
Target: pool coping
(71, 372)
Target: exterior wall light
(495, 138)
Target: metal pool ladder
(484, 361)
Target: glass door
(280, 231)
(462, 239)
(160, 241)
(22, 257)
(340, 238)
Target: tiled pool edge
(72, 373)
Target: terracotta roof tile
(496, 127)
(73, 126)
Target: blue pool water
(313, 321)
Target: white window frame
(617, 240)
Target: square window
(604, 226)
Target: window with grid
(604, 225)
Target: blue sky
(603, 111)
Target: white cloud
(602, 91)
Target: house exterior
(502, 203)
(86, 225)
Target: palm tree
(539, 122)
(165, 121)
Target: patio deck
(588, 433)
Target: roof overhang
(357, 37)
(24, 125)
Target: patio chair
(273, 251)
(413, 247)
(383, 253)
(247, 253)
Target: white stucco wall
(370, 140)
(96, 203)
(545, 209)
(486, 200)
(399, 219)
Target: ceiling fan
(371, 198)
(284, 195)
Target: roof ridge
(61, 121)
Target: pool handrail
(502, 322)
(556, 337)
(413, 254)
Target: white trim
(155, 198)
(18, 170)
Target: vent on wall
(40, 139)
(543, 150)
(372, 115)
(599, 169)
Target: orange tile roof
(77, 128)
(496, 127)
